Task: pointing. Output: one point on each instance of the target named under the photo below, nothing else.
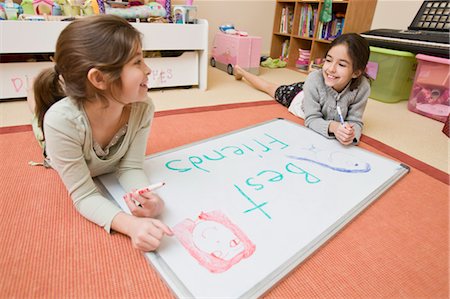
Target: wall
(256, 16)
(395, 14)
(252, 16)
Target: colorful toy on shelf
(27, 6)
(10, 10)
(73, 8)
(168, 7)
(150, 10)
(101, 7)
(43, 7)
(87, 8)
(158, 13)
(118, 4)
(2, 13)
(156, 9)
(184, 14)
(56, 10)
(135, 2)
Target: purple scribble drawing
(334, 160)
(214, 241)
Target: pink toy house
(229, 50)
(43, 7)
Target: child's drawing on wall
(214, 241)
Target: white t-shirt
(296, 105)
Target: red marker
(150, 188)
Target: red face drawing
(217, 240)
(214, 241)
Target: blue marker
(340, 115)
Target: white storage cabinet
(27, 37)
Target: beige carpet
(392, 124)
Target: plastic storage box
(393, 73)
(430, 91)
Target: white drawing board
(274, 193)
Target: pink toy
(230, 50)
(43, 7)
(167, 5)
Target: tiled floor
(392, 124)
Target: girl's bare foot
(237, 72)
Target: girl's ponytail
(48, 89)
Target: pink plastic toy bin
(430, 91)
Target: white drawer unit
(174, 71)
(16, 77)
(188, 69)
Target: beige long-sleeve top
(69, 147)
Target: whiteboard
(249, 206)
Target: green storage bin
(393, 73)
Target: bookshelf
(297, 26)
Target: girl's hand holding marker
(345, 132)
(145, 231)
(143, 202)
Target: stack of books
(302, 62)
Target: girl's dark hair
(359, 52)
(104, 42)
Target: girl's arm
(130, 172)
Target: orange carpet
(397, 248)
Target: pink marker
(152, 187)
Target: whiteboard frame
(181, 291)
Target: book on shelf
(308, 17)
(331, 30)
(285, 50)
(287, 17)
